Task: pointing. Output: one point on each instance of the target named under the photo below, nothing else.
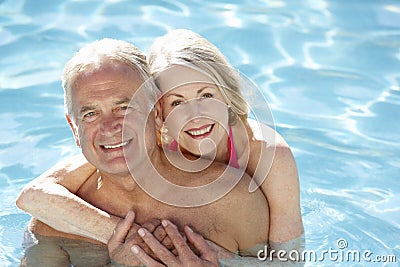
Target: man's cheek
(134, 123)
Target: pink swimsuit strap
(233, 161)
(173, 146)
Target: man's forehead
(108, 68)
(109, 96)
(121, 81)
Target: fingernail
(135, 249)
(130, 214)
(141, 232)
(190, 229)
(164, 223)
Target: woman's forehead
(178, 75)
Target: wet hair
(184, 47)
(101, 52)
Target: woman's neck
(223, 150)
(241, 138)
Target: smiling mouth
(200, 132)
(116, 146)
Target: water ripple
(328, 69)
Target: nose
(111, 125)
(194, 107)
(198, 110)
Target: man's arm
(51, 199)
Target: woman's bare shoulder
(264, 133)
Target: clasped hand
(126, 235)
(157, 244)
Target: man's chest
(207, 220)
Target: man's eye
(90, 116)
(207, 95)
(176, 103)
(123, 110)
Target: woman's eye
(207, 95)
(176, 103)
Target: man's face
(101, 100)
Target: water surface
(329, 70)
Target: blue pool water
(330, 71)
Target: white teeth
(116, 146)
(200, 132)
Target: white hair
(97, 53)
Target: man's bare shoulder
(76, 167)
(70, 172)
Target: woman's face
(193, 109)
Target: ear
(74, 130)
(158, 115)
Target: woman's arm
(282, 189)
(51, 199)
(275, 172)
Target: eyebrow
(86, 108)
(127, 101)
(203, 88)
(174, 94)
(198, 91)
(123, 101)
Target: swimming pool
(329, 69)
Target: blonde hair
(94, 55)
(184, 47)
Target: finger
(175, 252)
(151, 225)
(138, 241)
(121, 231)
(222, 253)
(206, 252)
(159, 250)
(141, 255)
(177, 240)
(159, 233)
(167, 242)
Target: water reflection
(328, 69)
